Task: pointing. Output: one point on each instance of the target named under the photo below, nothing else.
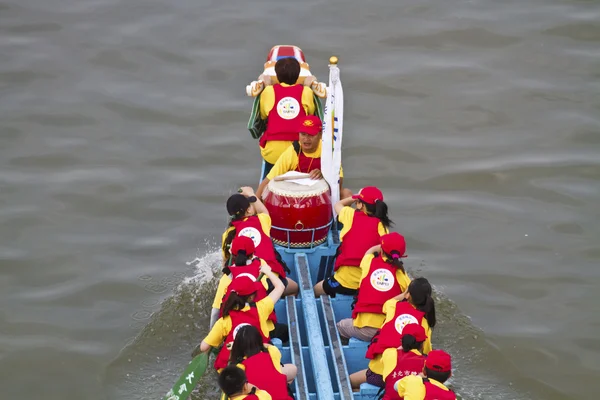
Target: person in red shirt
(429, 386)
(233, 382)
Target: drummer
(303, 155)
(282, 105)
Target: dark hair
(241, 258)
(287, 70)
(248, 342)
(380, 211)
(396, 262)
(420, 296)
(232, 380)
(441, 377)
(234, 302)
(409, 342)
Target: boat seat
(368, 390)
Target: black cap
(238, 203)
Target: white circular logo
(237, 328)
(403, 320)
(252, 233)
(382, 280)
(288, 108)
(247, 275)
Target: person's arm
(374, 249)
(258, 205)
(278, 289)
(343, 203)
(308, 100)
(267, 101)
(261, 188)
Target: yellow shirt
(224, 284)
(412, 387)
(265, 224)
(288, 161)
(275, 357)
(390, 359)
(349, 276)
(274, 148)
(389, 308)
(223, 325)
(261, 394)
(371, 319)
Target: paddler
(233, 382)
(282, 105)
(429, 386)
(415, 306)
(246, 264)
(250, 217)
(363, 228)
(240, 309)
(304, 155)
(383, 277)
(262, 363)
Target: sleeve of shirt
(288, 161)
(382, 230)
(308, 100)
(341, 172)
(427, 343)
(346, 216)
(389, 309)
(411, 388)
(403, 280)
(389, 360)
(275, 356)
(365, 265)
(265, 223)
(262, 395)
(267, 101)
(223, 240)
(217, 334)
(223, 284)
(265, 308)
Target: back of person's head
(232, 380)
(241, 290)
(420, 296)
(287, 70)
(393, 247)
(372, 200)
(247, 342)
(242, 247)
(413, 337)
(438, 365)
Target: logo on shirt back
(288, 108)
(382, 280)
(252, 233)
(403, 320)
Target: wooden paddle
(188, 380)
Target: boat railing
(308, 245)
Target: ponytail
(380, 211)
(395, 260)
(420, 296)
(230, 236)
(234, 302)
(409, 342)
(241, 258)
(247, 343)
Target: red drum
(300, 215)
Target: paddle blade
(188, 380)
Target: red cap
(415, 330)
(369, 195)
(242, 243)
(438, 360)
(394, 243)
(243, 285)
(311, 125)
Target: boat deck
(324, 364)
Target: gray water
(122, 132)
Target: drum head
(292, 189)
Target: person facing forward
(437, 370)
(304, 155)
(282, 105)
(250, 217)
(383, 277)
(233, 382)
(362, 230)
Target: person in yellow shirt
(282, 105)
(233, 382)
(304, 155)
(363, 228)
(383, 277)
(239, 309)
(429, 386)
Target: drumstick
(289, 178)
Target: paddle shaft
(188, 380)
